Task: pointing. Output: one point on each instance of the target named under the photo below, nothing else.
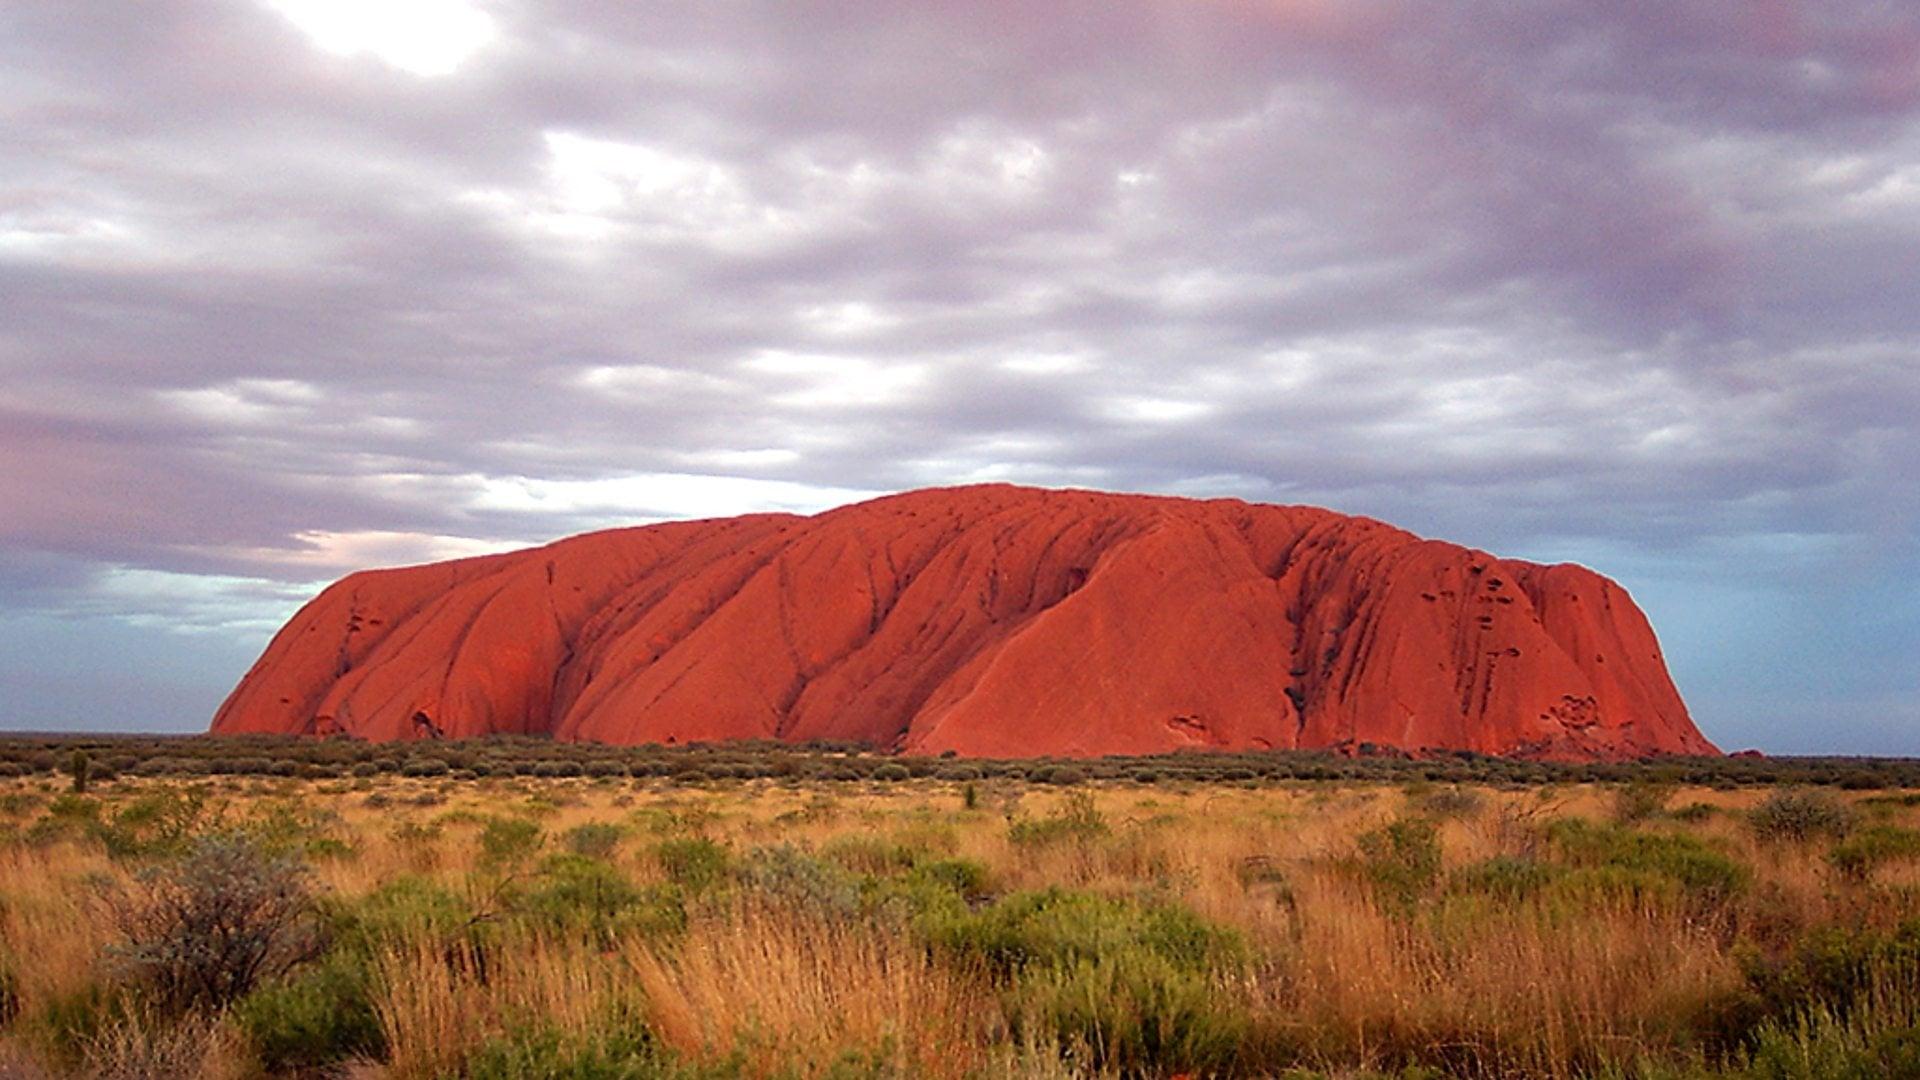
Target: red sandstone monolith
(992, 621)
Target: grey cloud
(1571, 278)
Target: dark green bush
(620, 1049)
(1798, 815)
(79, 770)
(576, 894)
(1833, 970)
(1129, 984)
(1505, 877)
(315, 1018)
(1633, 859)
(1060, 926)
(892, 773)
(594, 839)
(1875, 846)
(406, 908)
(965, 877)
(508, 842)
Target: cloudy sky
(293, 287)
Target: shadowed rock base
(992, 621)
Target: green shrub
(789, 876)
(1401, 859)
(508, 842)
(1452, 802)
(1633, 858)
(1819, 1045)
(1505, 877)
(312, 1019)
(406, 908)
(1834, 968)
(1640, 800)
(1798, 815)
(620, 1049)
(162, 822)
(694, 863)
(595, 839)
(964, 877)
(1131, 1013)
(581, 895)
(1129, 984)
(1076, 820)
(1059, 926)
(1864, 851)
(892, 773)
(79, 770)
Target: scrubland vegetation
(514, 909)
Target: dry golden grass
(796, 988)
(1338, 973)
(437, 1003)
(51, 924)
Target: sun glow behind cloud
(425, 37)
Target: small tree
(204, 929)
(80, 767)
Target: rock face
(992, 621)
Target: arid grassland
(854, 918)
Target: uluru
(990, 620)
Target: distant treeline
(251, 755)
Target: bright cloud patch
(426, 37)
(632, 500)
